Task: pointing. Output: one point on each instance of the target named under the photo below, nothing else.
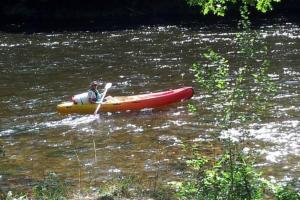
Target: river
(41, 70)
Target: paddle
(107, 86)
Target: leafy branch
(220, 7)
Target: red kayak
(135, 102)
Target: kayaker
(93, 94)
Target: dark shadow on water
(30, 26)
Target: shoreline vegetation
(129, 187)
(231, 175)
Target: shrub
(287, 192)
(51, 188)
(10, 196)
(232, 176)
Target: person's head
(94, 84)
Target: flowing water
(40, 70)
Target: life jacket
(94, 95)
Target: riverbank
(48, 16)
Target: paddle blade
(108, 85)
